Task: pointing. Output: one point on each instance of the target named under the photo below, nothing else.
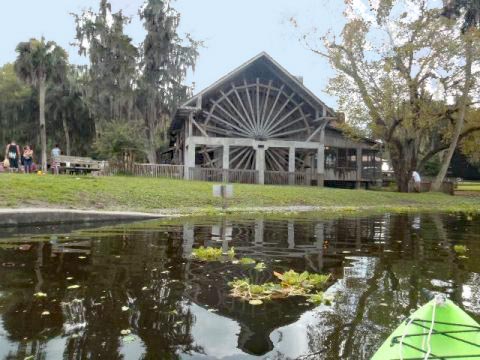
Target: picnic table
(77, 164)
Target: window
(371, 164)
(340, 158)
(330, 157)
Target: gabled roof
(263, 56)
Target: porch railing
(305, 178)
(146, 170)
(224, 175)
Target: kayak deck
(453, 335)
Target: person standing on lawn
(12, 153)
(417, 181)
(27, 159)
(55, 152)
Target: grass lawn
(155, 195)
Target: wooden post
(226, 162)
(321, 159)
(358, 184)
(320, 164)
(260, 164)
(291, 165)
(189, 159)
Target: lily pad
(260, 266)
(255, 302)
(247, 261)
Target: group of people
(17, 159)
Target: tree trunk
(152, 155)
(42, 88)
(65, 130)
(461, 117)
(404, 160)
(151, 143)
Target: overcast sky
(233, 31)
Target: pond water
(132, 291)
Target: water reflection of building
(317, 246)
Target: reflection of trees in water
(112, 277)
(376, 287)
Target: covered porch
(266, 159)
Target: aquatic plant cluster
(211, 253)
(291, 283)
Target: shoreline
(10, 217)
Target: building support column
(226, 162)
(291, 165)
(260, 163)
(358, 184)
(321, 164)
(189, 159)
(321, 159)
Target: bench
(76, 164)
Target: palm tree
(470, 27)
(39, 63)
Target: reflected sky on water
(132, 291)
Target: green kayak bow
(437, 330)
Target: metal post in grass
(225, 191)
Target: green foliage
(166, 57)
(211, 253)
(460, 249)
(231, 252)
(119, 139)
(247, 261)
(242, 288)
(207, 254)
(431, 167)
(18, 108)
(389, 87)
(39, 62)
(317, 298)
(470, 143)
(292, 284)
(260, 266)
(305, 280)
(110, 76)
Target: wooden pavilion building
(260, 124)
